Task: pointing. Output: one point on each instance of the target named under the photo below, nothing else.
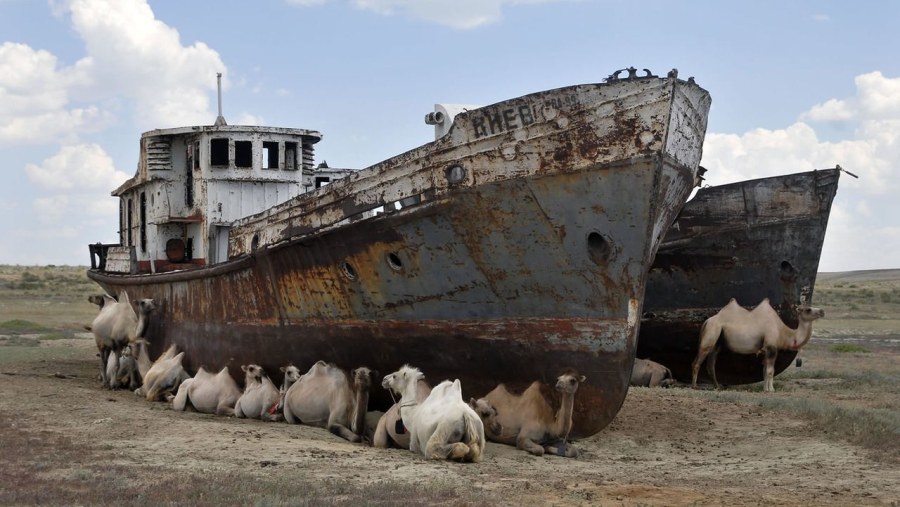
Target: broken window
(290, 156)
(218, 152)
(270, 155)
(243, 154)
(128, 231)
(143, 222)
(321, 181)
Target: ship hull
(748, 241)
(533, 263)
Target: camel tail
(474, 438)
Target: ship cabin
(193, 183)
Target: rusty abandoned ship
(513, 247)
(754, 239)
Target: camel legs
(526, 444)
(711, 366)
(344, 432)
(709, 336)
(562, 448)
(437, 449)
(769, 369)
(104, 358)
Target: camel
(127, 373)
(325, 396)
(757, 331)
(260, 399)
(208, 393)
(647, 373)
(291, 374)
(386, 431)
(527, 420)
(116, 325)
(442, 426)
(164, 376)
(112, 367)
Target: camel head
(487, 413)
(400, 380)
(145, 306)
(252, 373)
(568, 382)
(809, 313)
(363, 378)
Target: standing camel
(116, 325)
(757, 331)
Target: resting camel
(527, 420)
(757, 331)
(442, 426)
(164, 376)
(326, 397)
(260, 399)
(647, 373)
(208, 393)
(116, 325)
(291, 374)
(386, 431)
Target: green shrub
(848, 347)
(19, 326)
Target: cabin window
(270, 155)
(321, 181)
(218, 151)
(143, 222)
(243, 154)
(130, 223)
(122, 221)
(188, 178)
(197, 155)
(290, 156)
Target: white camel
(164, 376)
(208, 393)
(647, 373)
(325, 396)
(757, 331)
(291, 375)
(442, 426)
(390, 429)
(260, 399)
(527, 420)
(116, 324)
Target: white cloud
(821, 18)
(832, 110)
(460, 14)
(84, 167)
(131, 53)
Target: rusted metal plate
(749, 241)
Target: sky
(795, 86)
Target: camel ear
(244, 368)
(283, 369)
(581, 379)
(472, 402)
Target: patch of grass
(20, 341)
(21, 326)
(848, 347)
(58, 335)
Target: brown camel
(527, 420)
(647, 373)
(390, 430)
(327, 397)
(757, 331)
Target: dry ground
(67, 441)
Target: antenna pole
(220, 120)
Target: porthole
(455, 174)
(349, 271)
(599, 248)
(394, 261)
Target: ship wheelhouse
(193, 183)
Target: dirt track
(666, 447)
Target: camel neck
(563, 421)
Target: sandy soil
(666, 447)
